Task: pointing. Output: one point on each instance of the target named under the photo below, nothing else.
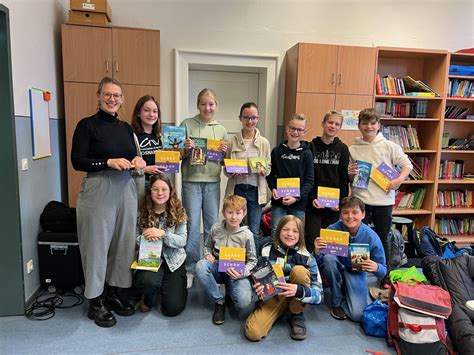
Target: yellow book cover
(236, 166)
(288, 187)
(135, 266)
(213, 150)
(383, 175)
(278, 272)
(337, 242)
(328, 196)
(167, 160)
(231, 257)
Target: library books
(236, 166)
(258, 164)
(213, 150)
(359, 252)
(454, 226)
(383, 174)
(409, 200)
(451, 169)
(268, 275)
(231, 257)
(149, 255)
(460, 88)
(361, 179)
(167, 161)
(417, 86)
(456, 112)
(405, 136)
(461, 144)
(199, 152)
(288, 187)
(328, 196)
(337, 242)
(397, 109)
(421, 166)
(173, 137)
(455, 199)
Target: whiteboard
(40, 133)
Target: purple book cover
(288, 191)
(168, 167)
(390, 173)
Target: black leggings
(381, 218)
(315, 219)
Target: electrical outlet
(24, 164)
(29, 266)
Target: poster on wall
(39, 115)
(351, 120)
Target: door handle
(107, 66)
(116, 66)
(340, 79)
(333, 78)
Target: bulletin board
(40, 131)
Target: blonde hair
(299, 224)
(207, 92)
(332, 113)
(298, 117)
(235, 202)
(106, 80)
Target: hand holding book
(233, 274)
(287, 289)
(153, 234)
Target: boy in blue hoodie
(349, 292)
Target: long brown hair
(175, 212)
(299, 224)
(137, 122)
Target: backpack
(397, 249)
(58, 217)
(416, 315)
(426, 242)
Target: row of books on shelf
(457, 144)
(451, 169)
(391, 108)
(403, 86)
(455, 199)
(421, 166)
(457, 112)
(454, 226)
(409, 200)
(460, 88)
(406, 137)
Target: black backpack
(58, 217)
(397, 250)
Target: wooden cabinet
(322, 77)
(92, 52)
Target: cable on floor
(45, 304)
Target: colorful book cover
(361, 180)
(288, 187)
(167, 161)
(231, 257)
(199, 152)
(236, 166)
(258, 164)
(351, 120)
(149, 253)
(213, 150)
(383, 175)
(268, 275)
(328, 197)
(173, 137)
(359, 253)
(337, 242)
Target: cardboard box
(96, 6)
(83, 17)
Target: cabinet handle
(340, 79)
(116, 66)
(333, 78)
(107, 66)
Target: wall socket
(29, 266)
(24, 164)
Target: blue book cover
(173, 137)
(361, 180)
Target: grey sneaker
(298, 327)
(218, 317)
(338, 313)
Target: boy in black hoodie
(291, 159)
(331, 160)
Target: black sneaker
(218, 317)
(338, 313)
(298, 327)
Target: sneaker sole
(218, 322)
(337, 317)
(298, 337)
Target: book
(236, 166)
(173, 137)
(258, 164)
(421, 94)
(231, 257)
(338, 242)
(213, 150)
(167, 161)
(199, 152)
(359, 252)
(149, 255)
(288, 187)
(383, 175)
(328, 197)
(268, 275)
(361, 180)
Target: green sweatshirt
(195, 128)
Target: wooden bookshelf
(455, 211)
(462, 240)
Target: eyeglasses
(296, 130)
(250, 118)
(108, 95)
(157, 190)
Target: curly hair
(175, 212)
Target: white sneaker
(189, 280)
(470, 305)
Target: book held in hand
(173, 137)
(288, 187)
(258, 164)
(231, 257)
(236, 166)
(359, 252)
(383, 175)
(213, 150)
(149, 255)
(199, 152)
(328, 197)
(268, 276)
(337, 242)
(361, 180)
(167, 161)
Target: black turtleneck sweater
(98, 138)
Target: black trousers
(171, 285)
(315, 219)
(381, 217)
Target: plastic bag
(404, 275)
(374, 319)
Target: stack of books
(460, 88)
(406, 137)
(409, 200)
(454, 226)
(406, 86)
(421, 166)
(391, 108)
(455, 199)
(456, 112)
(451, 169)
(461, 144)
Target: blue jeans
(278, 212)
(254, 212)
(199, 196)
(348, 288)
(239, 290)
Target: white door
(233, 89)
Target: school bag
(426, 242)
(58, 217)
(397, 249)
(416, 315)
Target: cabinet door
(131, 95)
(352, 102)
(87, 53)
(317, 64)
(80, 101)
(314, 106)
(136, 56)
(355, 70)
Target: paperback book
(258, 165)
(328, 197)
(337, 242)
(288, 187)
(383, 175)
(149, 255)
(213, 150)
(236, 166)
(268, 275)
(173, 137)
(231, 257)
(361, 180)
(167, 161)
(199, 152)
(359, 252)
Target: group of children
(296, 221)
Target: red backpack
(416, 315)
